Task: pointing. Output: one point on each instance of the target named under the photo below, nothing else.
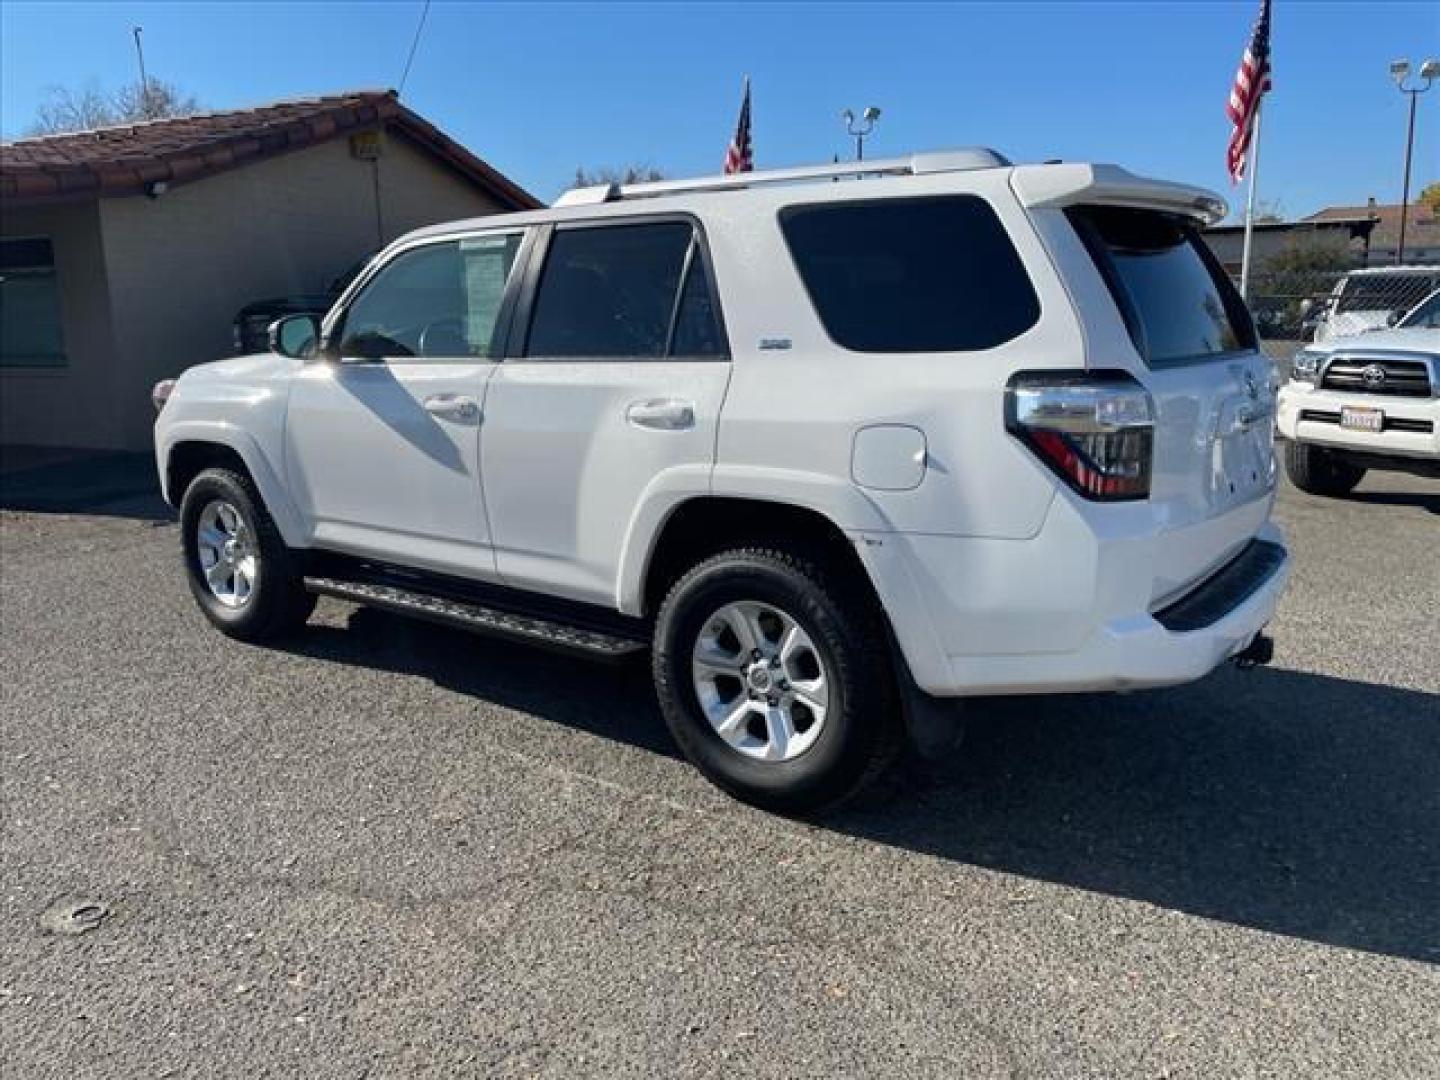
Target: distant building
(1422, 230)
(1350, 235)
(126, 252)
(1369, 234)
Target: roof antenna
(414, 44)
(144, 81)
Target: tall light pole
(866, 125)
(144, 81)
(1400, 72)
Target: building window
(29, 305)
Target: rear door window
(626, 291)
(911, 275)
(1177, 302)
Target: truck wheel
(1316, 470)
(246, 581)
(773, 673)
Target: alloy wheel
(760, 680)
(229, 560)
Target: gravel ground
(395, 850)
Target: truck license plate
(1362, 419)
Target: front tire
(773, 673)
(246, 581)
(1319, 471)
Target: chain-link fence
(1316, 304)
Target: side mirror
(1394, 317)
(295, 336)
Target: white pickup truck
(832, 444)
(1367, 401)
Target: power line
(414, 44)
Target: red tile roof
(118, 161)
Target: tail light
(1095, 430)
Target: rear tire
(834, 681)
(1319, 471)
(246, 581)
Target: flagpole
(1254, 166)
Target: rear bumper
(984, 617)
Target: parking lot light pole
(1400, 72)
(866, 125)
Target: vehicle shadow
(1287, 802)
(1294, 803)
(1425, 500)
(105, 484)
(613, 700)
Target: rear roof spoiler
(1109, 185)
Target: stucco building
(126, 252)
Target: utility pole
(144, 81)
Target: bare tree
(67, 110)
(630, 174)
(1269, 212)
(89, 108)
(154, 101)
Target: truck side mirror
(295, 336)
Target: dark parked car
(251, 331)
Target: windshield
(1383, 292)
(1425, 314)
(1177, 303)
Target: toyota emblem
(1374, 375)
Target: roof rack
(914, 165)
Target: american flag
(738, 156)
(1252, 80)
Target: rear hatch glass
(1176, 300)
(1213, 468)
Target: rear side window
(1177, 302)
(911, 275)
(633, 291)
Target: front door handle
(453, 407)
(662, 414)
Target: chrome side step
(478, 618)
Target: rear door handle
(453, 407)
(662, 414)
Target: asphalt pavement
(389, 849)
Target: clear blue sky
(538, 89)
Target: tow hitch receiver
(1260, 651)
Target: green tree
(1286, 280)
(1430, 196)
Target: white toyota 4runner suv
(831, 443)
(1371, 401)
